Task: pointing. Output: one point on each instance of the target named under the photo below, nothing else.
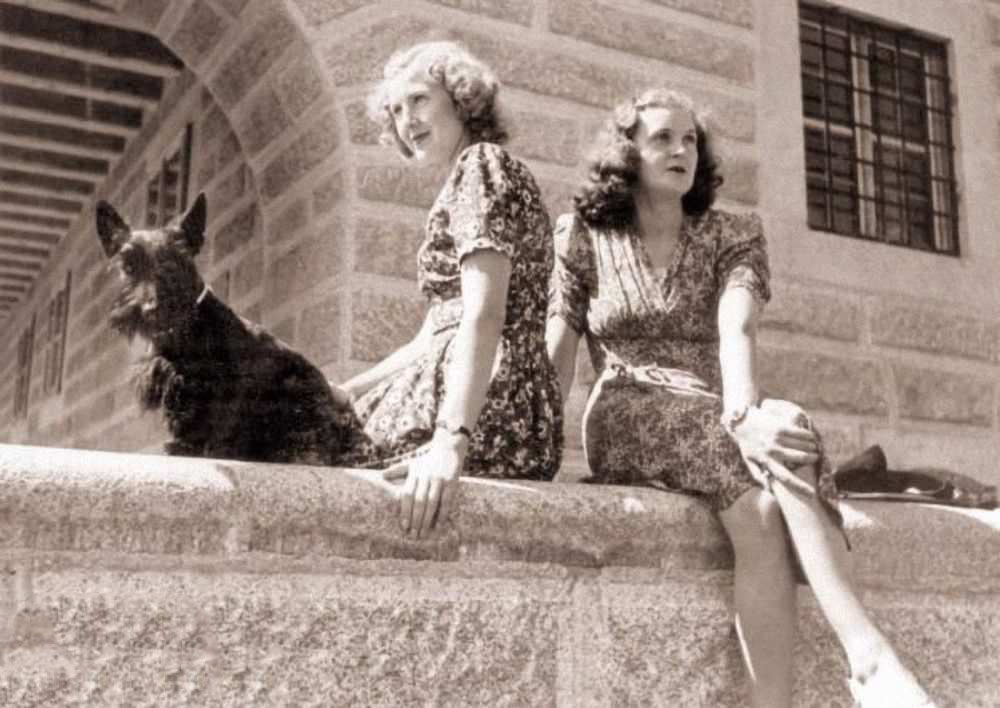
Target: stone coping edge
(55, 499)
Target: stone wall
(144, 580)
(314, 226)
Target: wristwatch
(442, 424)
(730, 420)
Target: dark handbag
(867, 476)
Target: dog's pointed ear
(192, 225)
(111, 228)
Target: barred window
(54, 342)
(166, 191)
(22, 387)
(879, 152)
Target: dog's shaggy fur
(226, 387)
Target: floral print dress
(489, 201)
(653, 414)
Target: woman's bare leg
(764, 596)
(825, 560)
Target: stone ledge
(54, 500)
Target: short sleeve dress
(653, 414)
(489, 201)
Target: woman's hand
(773, 445)
(431, 483)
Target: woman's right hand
(773, 445)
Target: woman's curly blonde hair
(472, 85)
(607, 197)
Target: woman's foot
(887, 684)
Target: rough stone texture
(322, 339)
(298, 80)
(234, 7)
(328, 193)
(387, 247)
(197, 34)
(147, 12)
(575, 79)
(803, 310)
(737, 12)
(557, 196)
(308, 150)
(292, 219)
(397, 184)
(937, 332)
(265, 120)
(311, 261)
(235, 234)
(926, 394)
(362, 130)
(249, 274)
(519, 11)
(360, 57)
(136, 578)
(741, 182)
(818, 381)
(270, 33)
(653, 37)
(545, 137)
(318, 12)
(382, 323)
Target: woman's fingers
(448, 491)
(406, 502)
(397, 471)
(419, 505)
(432, 510)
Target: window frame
(871, 185)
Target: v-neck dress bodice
(653, 414)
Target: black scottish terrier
(227, 387)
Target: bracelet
(730, 420)
(442, 424)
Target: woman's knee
(754, 523)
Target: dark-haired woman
(667, 292)
(474, 392)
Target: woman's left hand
(431, 484)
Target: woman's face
(668, 147)
(425, 119)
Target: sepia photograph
(570, 353)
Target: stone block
(381, 324)
(911, 327)
(328, 193)
(650, 36)
(741, 181)
(198, 33)
(285, 330)
(362, 129)
(822, 382)
(319, 12)
(412, 186)
(312, 147)
(229, 150)
(322, 339)
(594, 84)
(518, 11)
(297, 80)
(238, 232)
(557, 196)
(269, 34)
(802, 310)
(265, 120)
(294, 217)
(233, 7)
(994, 23)
(249, 273)
(736, 12)
(387, 247)
(146, 12)
(360, 58)
(927, 394)
(545, 137)
(310, 262)
(213, 125)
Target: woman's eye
(419, 99)
(689, 138)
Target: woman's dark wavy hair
(607, 198)
(472, 85)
